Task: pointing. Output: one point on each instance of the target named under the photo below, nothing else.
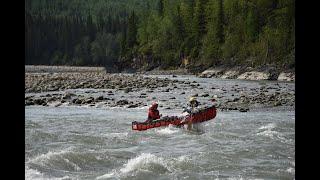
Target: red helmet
(154, 105)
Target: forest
(146, 34)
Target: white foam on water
(143, 107)
(268, 131)
(290, 170)
(182, 158)
(268, 126)
(143, 161)
(45, 159)
(75, 166)
(108, 175)
(285, 140)
(32, 174)
(178, 160)
(167, 130)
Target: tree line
(72, 40)
(163, 33)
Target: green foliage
(132, 31)
(82, 52)
(160, 33)
(160, 8)
(105, 49)
(252, 25)
(211, 49)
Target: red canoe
(201, 116)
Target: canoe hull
(201, 116)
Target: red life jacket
(153, 114)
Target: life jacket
(153, 114)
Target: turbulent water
(98, 143)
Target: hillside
(167, 34)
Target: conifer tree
(161, 8)
(132, 31)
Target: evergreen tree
(160, 7)
(123, 42)
(90, 28)
(132, 31)
(220, 22)
(199, 21)
(207, 32)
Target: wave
(57, 160)
(32, 174)
(268, 126)
(147, 162)
(107, 176)
(285, 140)
(268, 131)
(291, 170)
(168, 130)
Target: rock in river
(243, 109)
(205, 95)
(132, 106)
(122, 102)
(100, 98)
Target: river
(73, 142)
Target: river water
(70, 142)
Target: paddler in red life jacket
(153, 112)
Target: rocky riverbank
(238, 72)
(157, 71)
(56, 69)
(248, 73)
(100, 89)
(42, 82)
